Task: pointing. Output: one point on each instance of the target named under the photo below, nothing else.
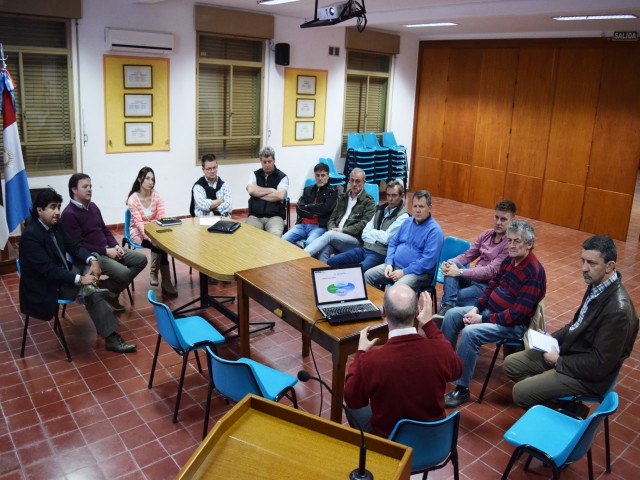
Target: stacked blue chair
(335, 178)
(381, 155)
(373, 190)
(359, 156)
(397, 157)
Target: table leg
(337, 383)
(305, 342)
(243, 319)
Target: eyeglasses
(355, 180)
(211, 169)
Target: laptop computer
(341, 294)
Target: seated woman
(146, 205)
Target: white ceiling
(476, 18)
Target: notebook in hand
(168, 221)
(341, 294)
(224, 226)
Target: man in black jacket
(314, 207)
(46, 274)
(592, 347)
(267, 188)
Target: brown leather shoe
(115, 343)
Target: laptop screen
(339, 284)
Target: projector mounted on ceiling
(337, 13)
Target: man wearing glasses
(353, 210)
(210, 195)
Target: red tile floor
(95, 418)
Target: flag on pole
(17, 197)
(4, 228)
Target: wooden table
(261, 439)
(287, 288)
(220, 255)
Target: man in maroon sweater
(407, 377)
(83, 222)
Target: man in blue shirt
(413, 252)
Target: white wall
(113, 174)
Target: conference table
(274, 273)
(219, 255)
(286, 288)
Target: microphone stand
(360, 473)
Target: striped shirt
(594, 291)
(514, 293)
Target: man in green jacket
(353, 210)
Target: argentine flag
(17, 197)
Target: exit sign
(625, 36)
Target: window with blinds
(229, 97)
(365, 104)
(39, 61)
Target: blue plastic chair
(57, 328)
(373, 190)
(184, 335)
(555, 438)
(235, 379)
(452, 247)
(335, 178)
(389, 141)
(515, 344)
(126, 241)
(598, 399)
(434, 443)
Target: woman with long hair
(146, 205)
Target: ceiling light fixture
(595, 17)
(438, 24)
(275, 2)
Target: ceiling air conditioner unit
(136, 41)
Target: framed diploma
(137, 76)
(138, 105)
(304, 130)
(138, 133)
(306, 85)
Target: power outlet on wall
(334, 51)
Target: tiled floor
(95, 417)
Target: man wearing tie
(46, 275)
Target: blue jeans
(360, 255)
(331, 242)
(472, 338)
(375, 277)
(460, 292)
(304, 231)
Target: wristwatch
(461, 271)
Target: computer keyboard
(348, 309)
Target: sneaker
(115, 343)
(112, 301)
(442, 312)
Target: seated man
(314, 208)
(210, 195)
(592, 346)
(268, 190)
(83, 222)
(377, 233)
(462, 287)
(413, 252)
(353, 210)
(504, 309)
(408, 375)
(47, 276)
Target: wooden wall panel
(616, 139)
(526, 192)
(574, 114)
(462, 105)
(606, 212)
(562, 203)
(533, 104)
(495, 106)
(486, 186)
(454, 180)
(425, 174)
(432, 94)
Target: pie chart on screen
(341, 288)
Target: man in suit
(46, 275)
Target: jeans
(460, 292)
(331, 242)
(472, 337)
(375, 277)
(360, 255)
(304, 231)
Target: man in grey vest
(377, 233)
